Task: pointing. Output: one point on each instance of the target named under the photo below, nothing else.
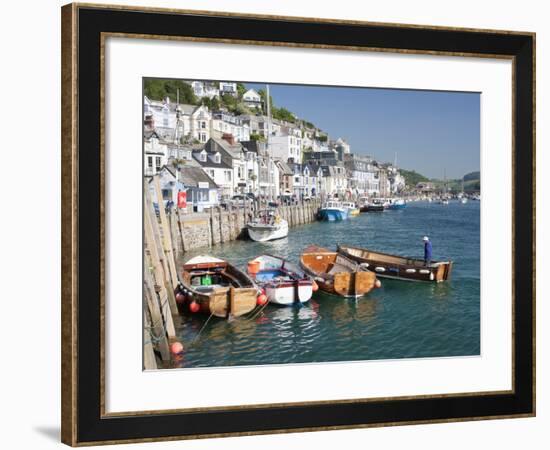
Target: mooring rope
(202, 329)
(261, 309)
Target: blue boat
(333, 211)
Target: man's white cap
(426, 238)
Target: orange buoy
(194, 307)
(262, 299)
(176, 348)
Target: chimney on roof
(149, 122)
(229, 138)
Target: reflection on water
(400, 320)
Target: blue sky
(431, 131)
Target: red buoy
(176, 348)
(180, 297)
(194, 307)
(262, 299)
(314, 287)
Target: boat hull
(217, 288)
(283, 282)
(397, 267)
(332, 215)
(261, 233)
(397, 207)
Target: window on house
(166, 194)
(227, 175)
(157, 162)
(203, 156)
(217, 158)
(150, 162)
(203, 125)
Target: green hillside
(412, 178)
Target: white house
(228, 87)
(209, 89)
(252, 99)
(176, 123)
(223, 122)
(287, 145)
(218, 169)
(155, 153)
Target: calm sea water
(400, 320)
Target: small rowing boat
(283, 282)
(213, 286)
(399, 267)
(337, 274)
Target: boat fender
(314, 287)
(261, 300)
(431, 276)
(410, 270)
(318, 279)
(424, 271)
(380, 269)
(364, 265)
(194, 307)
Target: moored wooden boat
(337, 274)
(213, 286)
(284, 283)
(399, 267)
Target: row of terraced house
(214, 154)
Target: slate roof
(192, 176)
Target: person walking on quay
(427, 251)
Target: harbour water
(400, 320)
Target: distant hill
(472, 176)
(412, 178)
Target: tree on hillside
(241, 89)
(283, 114)
(412, 178)
(160, 88)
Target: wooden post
(167, 244)
(181, 226)
(220, 225)
(160, 265)
(211, 227)
(161, 324)
(149, 360)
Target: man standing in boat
(427, 251)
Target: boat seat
(337, 268)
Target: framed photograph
(282, 224)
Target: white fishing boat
(268, 225)
(283, 282)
